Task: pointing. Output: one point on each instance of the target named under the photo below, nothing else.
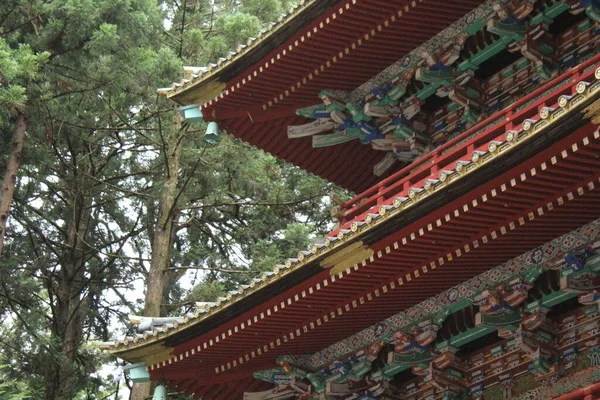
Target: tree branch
(229, 271)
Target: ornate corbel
(494, 309)
(391, 93)
(579, 274)
(590, 7)
(437, 69)
(471, 96)
(509, 18)
(446, 355)
(412, 349)
(449, 386)
(537, 46)
(535, 316)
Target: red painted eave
(340, 52)
(535, 188)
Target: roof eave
(211, 84)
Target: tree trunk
(68, 309)
(10, 176)
(162, 237)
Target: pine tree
(17, 67)
(97, 61)
(114, 188)
(218, 205)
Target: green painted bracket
(475, 27)
(357, 113)
(549, 13)
(396, 93)
(269, 375)
(593, 264)
(412, 358)
(540, 367)
(337, 378)
(544, 72)
(547, 48)
(498, 350)
(311, 112)
(584, 26)
(484, 54)
(434, 77)
(453, 107)
(555, 298)
(336, 106)
(591, 311)
(532, 307)
(335, 138)
(533, 274)
(191, 113)
(449, 395)
(405, 131)
(544, 336)
(472, 93)
(429, 90)
(471, 334)
(454, 374)
(594, 13)
(445, 346)
(522, 63)
(510, 71)
(317, 382)
(138, 373)
(390, 370)
(360, 369)
(471, 116)
(507, 30)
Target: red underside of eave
(556, 179)
(349, 165)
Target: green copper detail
(357, 113)
(310, 112)
(335, 138)
(471, 335)
(549, 13)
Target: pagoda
(467, 266)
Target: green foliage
(237, 27)
(266, 10)
(268, 253)
(18, 66)
(10, 389)
(207, 291)
(92, 177)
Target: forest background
(116, 206)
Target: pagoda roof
(340, 45)
(529, 171)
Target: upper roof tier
(355, 90)
(321, 45)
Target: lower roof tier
(519, 328)
(549, 194)
(532, 187)
(408, 241)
